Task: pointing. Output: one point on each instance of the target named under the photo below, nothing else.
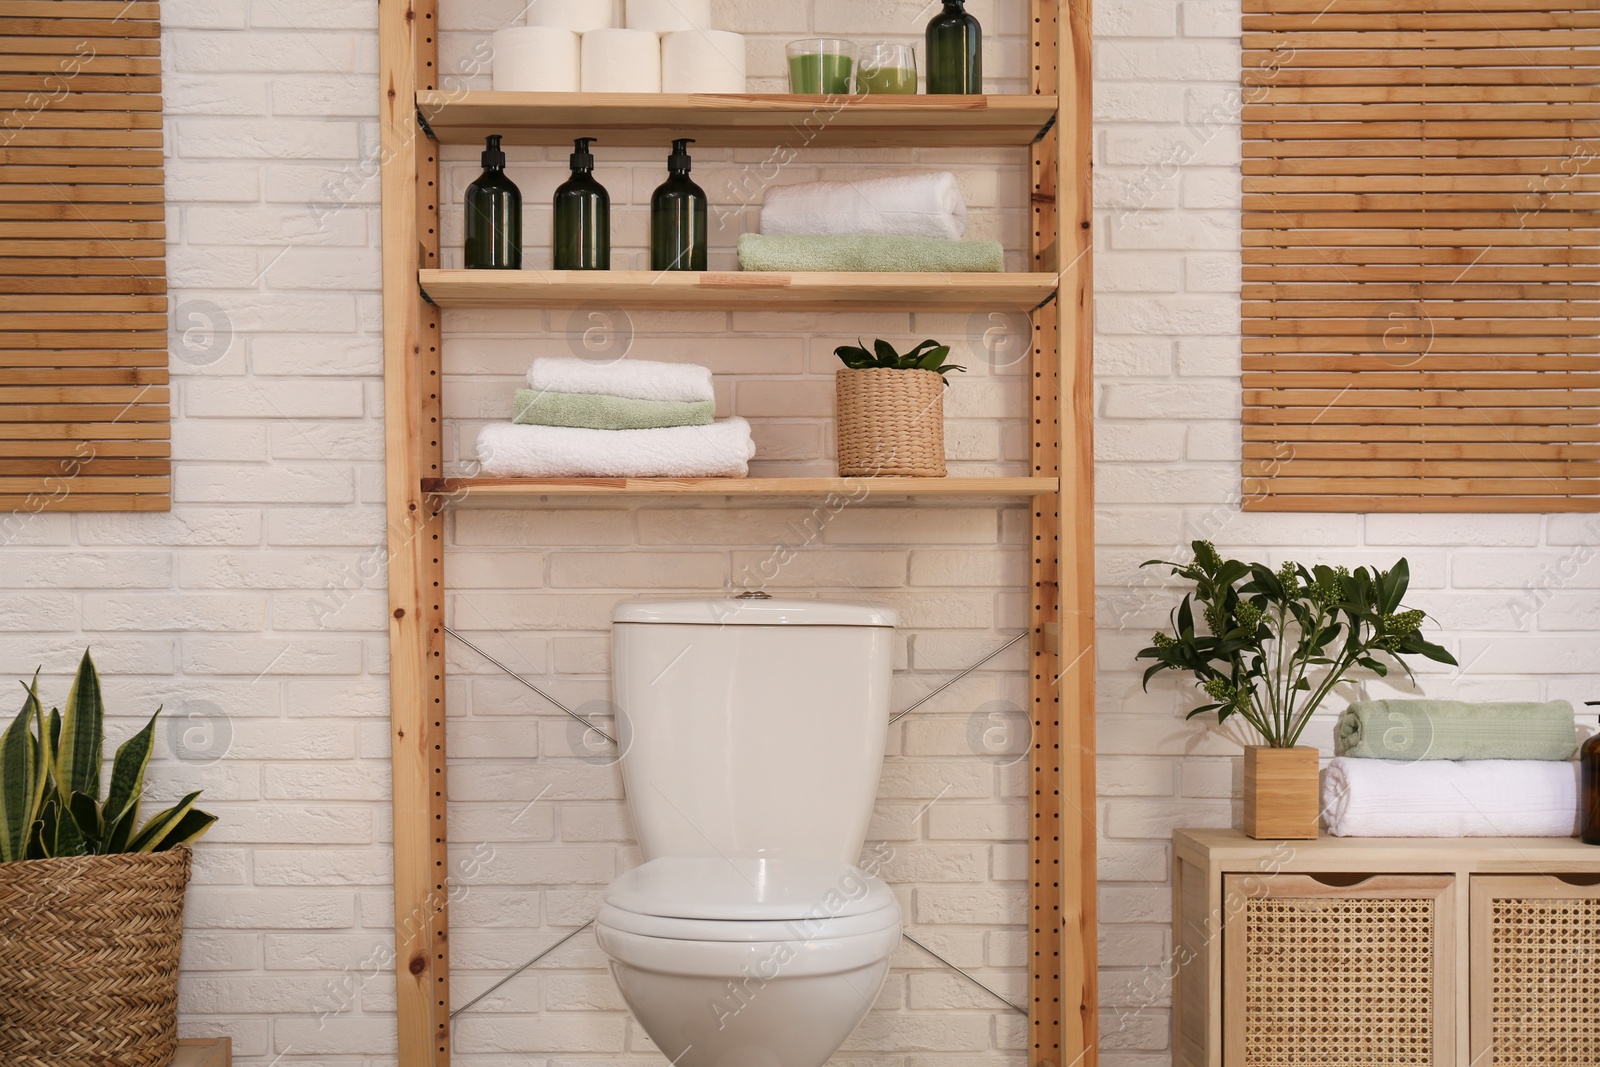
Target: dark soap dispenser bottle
(955, 51)
(494, 216)
(678, 216)
(1589, 789)
(582, 216)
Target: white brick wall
(1513, 593)
(254, 612)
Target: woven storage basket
(891, 423)
(89, 960)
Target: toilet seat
(750, 890)
(692, 915)
(823, 929)
(730, 959)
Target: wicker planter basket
(891, 423)
(89, 959)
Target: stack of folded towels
(909, 223)
(625, 419)
(1443, 768)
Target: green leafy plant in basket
(50, 771)
(1275, 643)
(929, 355)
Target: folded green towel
(1455, 730)
(918, 254)
(592, 411)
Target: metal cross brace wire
(964, 974)
(946, 684)
(956, 678)
(585, 926)
(524, 967)
(589, 723)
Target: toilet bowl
(741, 962)
(755, 738)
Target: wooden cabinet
(1383, 952)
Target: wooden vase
(1282, 795)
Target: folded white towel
(915, 205)
(721, 450)
(1441, 798)
(638, 379)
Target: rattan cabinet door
(1320, 975)
(1535, 971)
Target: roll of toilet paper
(669, 16)
(536, 59)
(621, 61)
(702, 61)
(580, 16)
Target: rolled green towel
(592, 411)
(1456, 730)
(927, 255)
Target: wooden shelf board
(721, 121)
(204, 1052)
(735, 290)
(490, 492)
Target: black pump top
(679, 162)
(492, 156)
(582, 158)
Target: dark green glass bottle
(1589, 790)
(955, 51)
(582, 216)
(678, 216)
(494, 216)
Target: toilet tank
(752, 727)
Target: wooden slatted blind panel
(84, 420)
(1420, 255)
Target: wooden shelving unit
(642, 119)
(1052, 123)
(737, 290)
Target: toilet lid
(741, 889)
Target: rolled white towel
(914, 205)
(1441, 798)
(721, 450)
(637, 379)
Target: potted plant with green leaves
(890, 409)
(1270, 646)
(91, 895)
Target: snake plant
(50, 803)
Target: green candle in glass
(821, 67)
(887, 68)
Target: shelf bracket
(423, 123)
(433, 303)
(1046, 302)
(1049, 125)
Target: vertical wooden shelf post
(1062, 987)
(409, 161)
